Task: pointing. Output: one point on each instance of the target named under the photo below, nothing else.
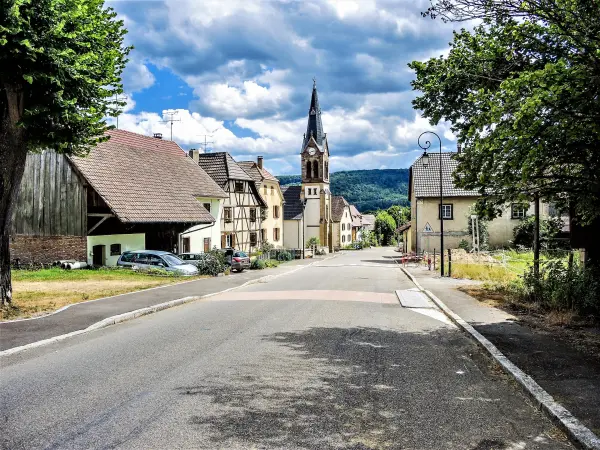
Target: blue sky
(241, 72)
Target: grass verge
(42, 291)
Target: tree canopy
(385, 227)
(522, 93)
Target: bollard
(434, 259)
(449, 263)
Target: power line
(171, 114)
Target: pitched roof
(368, 219)
(338, 204)
(144, 179)
(315, 125)
(222, 167)
(356, 216)
(426, 180)
(404, 227)
(292, 210)
(255, 172)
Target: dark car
(237, 259)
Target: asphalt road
(324, 357)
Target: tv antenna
(117, 99)
(206, 142)
(171, 114)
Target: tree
(60, 68)
(385, 227)
(522, 92)
(401, 214)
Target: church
(310, 203)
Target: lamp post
(425, 161)
(303, 226)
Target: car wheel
(241, 270)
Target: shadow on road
(367, 388)
(378, 261)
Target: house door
(206, 245)
(185, 245)
(99, 252)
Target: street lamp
(425, 162)
(303, 226)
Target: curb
(143, 312)
(578, 433)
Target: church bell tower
(315, 177)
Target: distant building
(268, 187)
(293, 218)
(342, 222)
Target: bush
(385, 227)
(271, 263)
(285, 256)
(549, 229)
(266, 247)
(464, 244)
(211, 263)
(258, 264)
(313, 242)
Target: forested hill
(368, 190)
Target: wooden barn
(131, 192)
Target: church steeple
(315, 126)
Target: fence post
(449, 263)
(434, 259)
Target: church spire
(315, 126)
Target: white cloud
(137, 76)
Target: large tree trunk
(13, 153)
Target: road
(324, 357)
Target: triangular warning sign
(427, 228)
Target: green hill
(368, 190)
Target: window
(265, 190)
(343, 227)
(206, 245)
(272, 190)
(115, 249)
(206, 206)
(227, 213)
(349, 238)
(275, 234)
(128, 257)
(252, 214)
(239, 186)
(253, 239)
(343, 238)
(227, 241)
(308, 169)
(315, 169)
(185, 245)
(448, 211)
(276, 212)
(326, 169)
(263, 235)
(518, 211)
(315, 191)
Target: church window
(326, 169)
(308, 169)
(315, 169)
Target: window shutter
(223, 241)
(233, 240)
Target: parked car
(190, 258)
(146, 259)
(237, 259)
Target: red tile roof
(145, 179)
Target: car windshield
(241, 254)
(172, 260)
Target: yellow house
(424, 196)
(268, 186)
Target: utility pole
(171, 119)
(117, 99)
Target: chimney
(193, 153)
(259, 161)
(158, 135)
(458, 147)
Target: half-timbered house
(242, 210)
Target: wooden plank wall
(52, 200)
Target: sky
(241, 73)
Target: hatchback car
(145, 259)
(237, 259)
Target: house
(268, 186)
(368, 222)
(357, 224)
(424, 193)
(342, 222)
(293, 218)
(242, 216)
(130, 192)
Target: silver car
(146, 259)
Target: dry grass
(40, 292)
(483, 272)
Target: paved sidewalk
(570, 376)
(82, 315)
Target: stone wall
(47, 249)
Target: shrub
(549, 229)
(271, 263)
(266, 247)
(258, 264)
(464, 244)
(285, 256)
(211, 263)
(313, 242)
